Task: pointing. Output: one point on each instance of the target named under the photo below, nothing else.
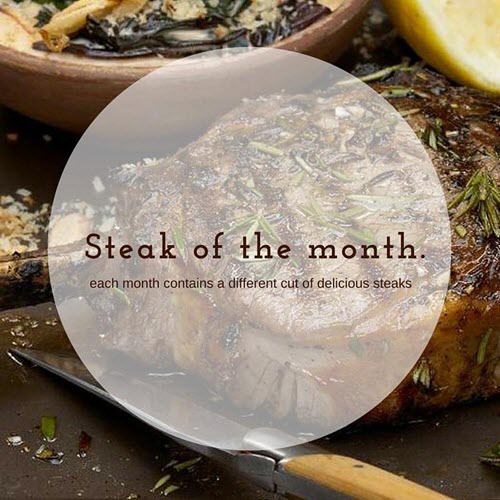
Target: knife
(303, 471)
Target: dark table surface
(126, 457)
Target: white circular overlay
(249, 248)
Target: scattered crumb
(14, 440)
(21, 227)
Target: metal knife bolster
(274, 455)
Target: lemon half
(460, 38)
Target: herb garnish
(435, 137)
(265, 148)
(481, 352)
(492, 456)
(422, 374)
(48, 428)
(482, 195)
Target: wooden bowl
(69, 91)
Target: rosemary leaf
(408, 112)
(265, 148)
(170, 489)
(383, 72)
(341, 177)
(122, 295)
(187, 464)
(482, 195)
(361, 235)
(268, 228)
(251, 232)
(481, 352)
(397, 91)
(304, 165)
(180, 242)
(460, 230)
(422, 374)
(163, 480)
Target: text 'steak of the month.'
(251, 248)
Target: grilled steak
(460, 129)
(460, 362)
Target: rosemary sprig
(253, 223)
(482, 195)
(320, 217)
(397, 91)
(435, 137)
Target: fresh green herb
(265, 148)
(304, 165)
(354, 212)
(341, 176)
(320, 217)
(48, 427)
(492, 456)
(180, 243)
(378, 75)
(430, 137)
(422, 374)
(397, 91)
(254, 223)
(187, 464)
(435, 137)
(251, 185)
(481, 352)
(170, 489)
(122, 295)
(482, 195)
(362, 235)
(408, 112)
(251, 231)
(460, 230)
(162, 481)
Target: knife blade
(304, 471)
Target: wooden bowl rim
(118, 70)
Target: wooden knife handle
(356, 479)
